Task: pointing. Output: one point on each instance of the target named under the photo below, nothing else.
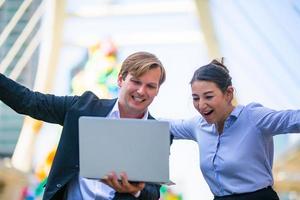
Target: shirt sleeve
(183, 128)
(270, 121)
(46, 107)
(150, 192)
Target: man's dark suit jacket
(64, 110)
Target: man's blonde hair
(139, 63)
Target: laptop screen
(141, 148)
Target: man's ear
(120, 80)
(157, 90)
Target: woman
(235, 142)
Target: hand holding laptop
(123, 185)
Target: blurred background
(68, 46)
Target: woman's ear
(229, 93)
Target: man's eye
(152, 86)
(135, 81)
(195, 98)
(209, 97)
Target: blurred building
(18, 29)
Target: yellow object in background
(43, 170)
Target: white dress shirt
(88, 189)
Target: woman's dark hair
(215, 72)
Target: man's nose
(142, 89)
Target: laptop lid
(141, 148)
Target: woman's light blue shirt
(240, 159)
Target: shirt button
(77, 166)
(58, 185)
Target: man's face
(137, 93)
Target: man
(139, 80)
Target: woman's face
(213, 104)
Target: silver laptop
(141, 148)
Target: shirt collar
(115, 112)
(236, 111)
(232, 117)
